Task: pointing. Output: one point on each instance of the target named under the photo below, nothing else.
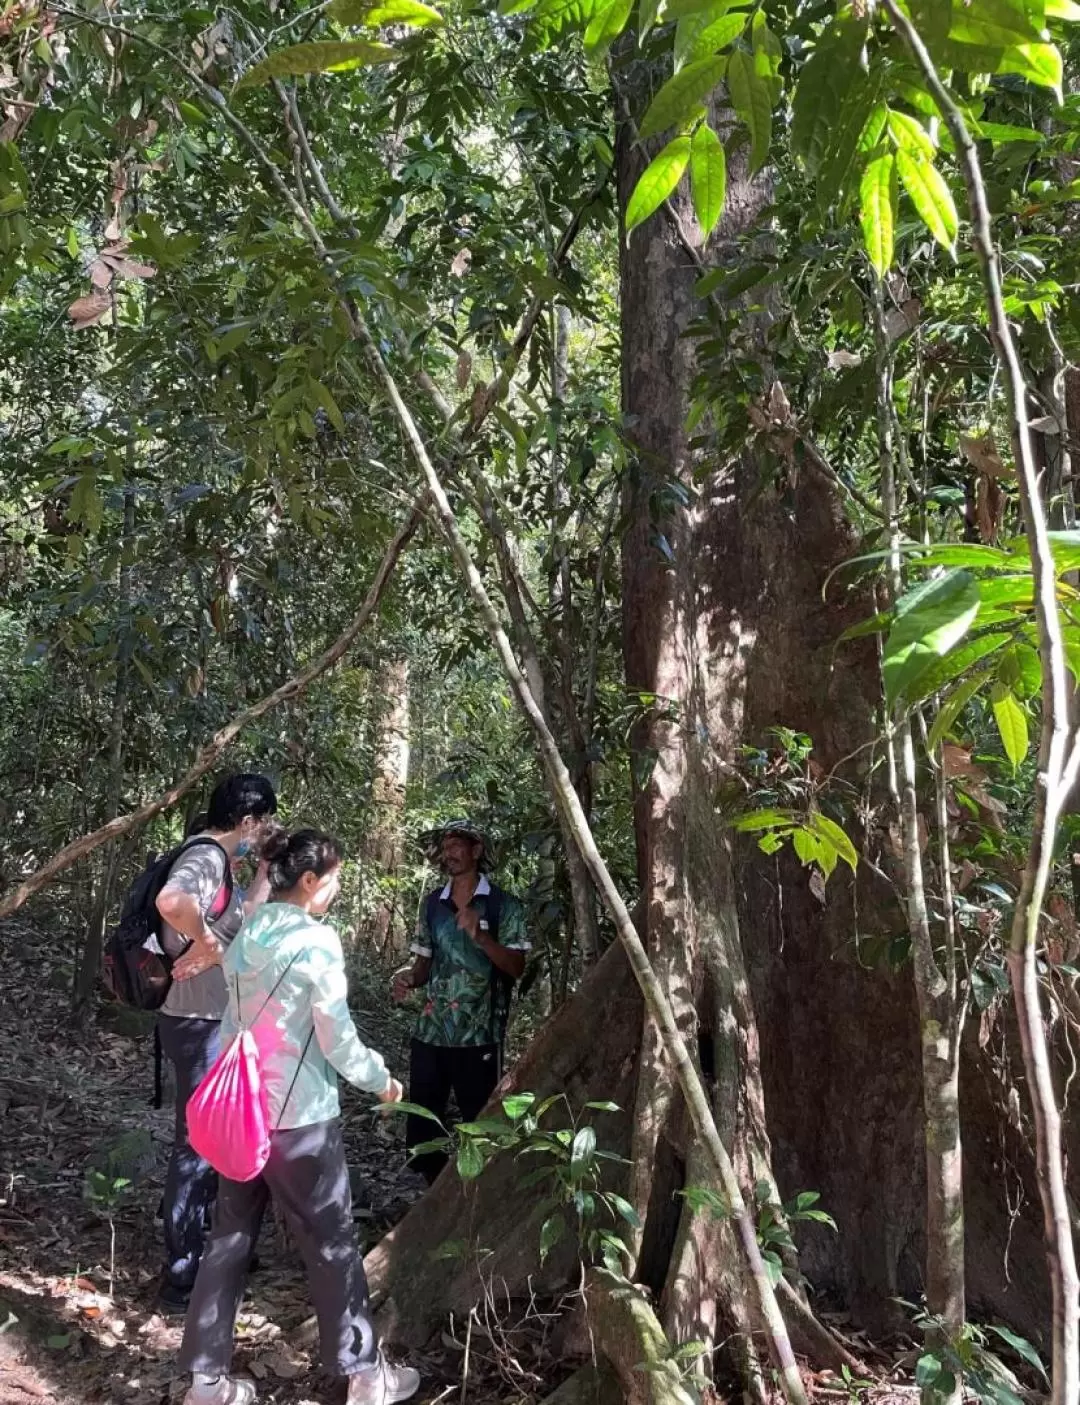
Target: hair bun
(276, 845)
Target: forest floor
(77, 1329)
(72, 1101)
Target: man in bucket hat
(470, 949)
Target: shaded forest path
(71, 1101)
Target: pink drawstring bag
(227, 1118)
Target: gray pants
(309, 1181)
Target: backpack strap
(273, 992)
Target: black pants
(434, 1072)
(190, 1182)
(308, 1179)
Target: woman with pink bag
(287, 985)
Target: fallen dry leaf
(981, 452)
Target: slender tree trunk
(90, 964)
(936, 992)
(383, 845)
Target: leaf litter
(73, 1100)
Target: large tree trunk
(382, 848)
(812, 1057)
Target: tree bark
(383, 844)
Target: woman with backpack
(287, 986)
(201, 911)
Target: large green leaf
(657, 182)
(553, 17)
(322, 56)
(952, 707)
(607, 24)
(1011, 722)
(698, 36)
(708, 177)
(831, 82)
(993, 24)
(877, 210)
(830, 833)
(955, 663)
(930, 620)
(861, 125)
(910, 135)
(681, 96)
(930, 195)
(373, 13)
(1038, 63)
(752, 100)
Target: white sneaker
(383, 1384)
(225, 1392)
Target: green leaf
(930, 195)
(606, 1105)
(322, 56)
(929, 620)
(862, 122)
(626, 1210)
(764, 819)
(1001, 133)
(1021, 1345)
(551, 1231)
(698, 36)
(994, 24)
(553, 17)
(606, 25)
(768, 55)
(831, 83)
(517, 1105)
(470, 1161)
(1060, 10)
(829, 830)
(681, 96)
(1038, 63)
(647, 12)
(320, 395)
(752, 100)
(412, 1109)
(1011, 722)
(956, 662)
(582, 1151)
(657, 182)
(409, 12)
(86, 505)
(708, 177)
(877, 210)
(910, 135)
(952, 707)
(875, 624)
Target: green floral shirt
(457, 1008)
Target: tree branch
(209, 755)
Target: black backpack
(502, 985)
(133, 974)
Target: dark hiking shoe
(172, 1300)
(383, 1384)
